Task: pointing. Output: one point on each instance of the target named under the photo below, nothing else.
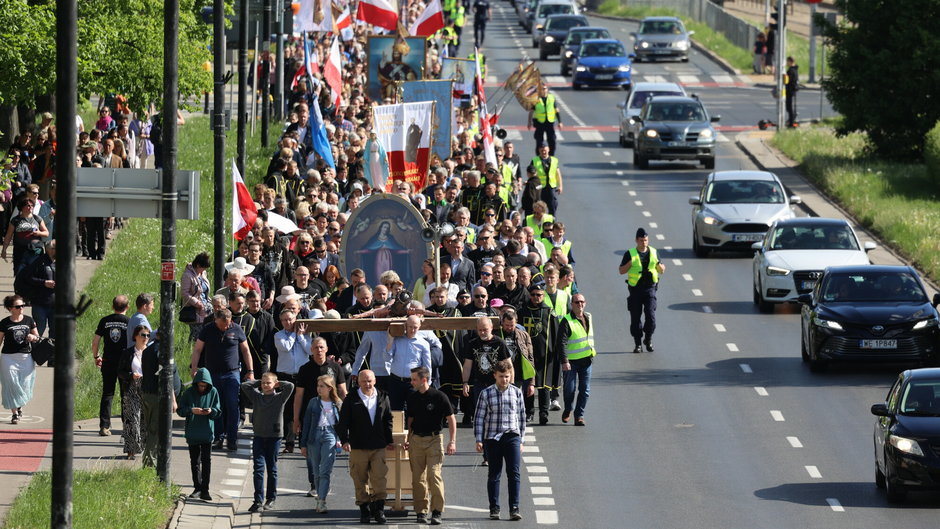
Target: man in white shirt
(292, 352)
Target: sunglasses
(144, 334)
(463, 297)
(491, 214)
(480, 296)
(485, 274)
(534, 295)
(18, 306)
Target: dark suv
(675, 128)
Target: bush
(932, 153)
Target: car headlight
(651, 133)
(828, 324)
(923, 324)
(624, 68)
(549, 38)
(683, 44)
(644, 44)
(707, 133)
(581, 69)
(908, 446)
(777, 271)
(569, 53)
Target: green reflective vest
(460, 19)
(546, 217)
(635, 271)
(560, 306)
(544, 110)
(551, 179)
(580, 343)
(473, 57)
(565, 246)
(449, 35)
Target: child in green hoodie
(200, 405)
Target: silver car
(735, 209)
(662, 37)
(638, 96)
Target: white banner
(404, 131)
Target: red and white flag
(379, 13)
(332, 71)
(309, 66)
(244, 211)
(344, 25)
(486, 121)
(430, 21)
(404, 131)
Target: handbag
(43, 350)
(188, 314)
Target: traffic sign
(133, 193)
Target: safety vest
(474, 128)
(546, 217)
(449, 35)
(560, 306)
(565, 246)
(580, 343)
(552, 177)
(544, 110)
(448, 6)
(473, 57)
(460, 19)
(636, 270)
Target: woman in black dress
(130, 371)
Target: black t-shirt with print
(484, 354)
(14, 334)
(113, 332)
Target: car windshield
(920, 398)
(563, 23)
(873, 286)
(676, 112)
(744, 192)
(575, 37)
(641, 97)
(813, 238)
(660, 27)
(602, 49)
(554, 9)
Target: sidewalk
(798, 14)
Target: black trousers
(543, 131)
(200, 462)
(108, 379)
(288, 415)
(549, 195)
(642, 305)
(790, 101)
(95, 236)
(479, 32)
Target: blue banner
(441, 93)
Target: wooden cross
(394, 326)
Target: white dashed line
(732, 347)
(761, 391)
(530, 449)
(718, 327)
(777, 415)
(687, 277)
(541, 491)
(705, 308)
(543, 501)
(537, 470)
(613, 162)
(539, 479)
(240, 461)
(232, 482)
(231, 493)
(660, 237)
(639, 203)
(529, 438)
(647, 214)
(533, 460)
(620, 173)
(835, 505)
(677, 262)
(624, 183)
(667, 248)
(697, 292)
(546, 517)
(237, 472)
(606, 153)
(654, 225)
(813, 472)
(632, 193)
(794, 442)
(745, 368)
(566, 109)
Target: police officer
(543, 117)
(460, 18)
(791, 81)
(643, 268)
(548, 171)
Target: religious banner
(441, 93)
(404, 131)
(460, 71)
(393, 60)
(384, 233)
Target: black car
(572, 44)
(907, 434)
(556, 31)
(868, 313)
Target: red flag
(344, 24)
(332, 71)
(379, 13)
(244, 211)
(430, 21)
(486, 121)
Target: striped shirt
(499, 412)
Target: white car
(794, 253)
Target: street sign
(133, 193)
(167, 271)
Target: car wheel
(640, 161)
(576, 86)
(894, 491)
(816, 364)
(629, 141)
(564, 70)
(803, 354)
(535, 43)
(708, 163)
(622, 140)
(879, 477)
(543, 55)
(699, 250)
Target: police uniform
(544, 118)
(642, 282)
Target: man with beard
(276, 258)
(542, 326)
(480, 353)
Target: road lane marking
(240, 461)
(647, 214)
(543, 501)
(746, 368)
(761, 391)
(835, 505)
(620, 173)
(469, 509)
(528, 448)
(777, 415)
(660, 237)
(564, 106)
(667, 248)
(541, 491)
(546, 517)
(794, 442)
(813, 472)
(241, 472)
(632, 193)
(537, 469)
(539, 479)
(231, 493)
(533, 460)
(705, 308)
(718, 327)
(233, 482)
(606, 153)
(639, 203)
(697, 292)
(613, 162)
(687, 277)
(677, 262)
(732, 347)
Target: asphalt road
(722, 426)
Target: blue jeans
(508, 448)
(43, 314)
(226, 424)
(321, 454)
(580, 375)
(264, 454)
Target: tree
(884, 67)
(28, 51)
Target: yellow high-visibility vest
(580, 343)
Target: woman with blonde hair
(318, 440)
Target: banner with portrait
(404, 131)
(392, 60)
(461, 72)
(441, 93)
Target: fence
(741, 33)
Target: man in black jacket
(365, 430)
(42, 277)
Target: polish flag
(244, 211)
(486, 121)
(430, 21)
(332, 71)
(380, 13)
(344, 24)
(309, 66)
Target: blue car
(602, 62)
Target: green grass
(132, 264)
(118, 497)
(897, 201)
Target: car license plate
(807, 285)
(748, 237)
(678, 144)
(878, 344)
(604, 76)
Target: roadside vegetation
(124, 497)
(132, 262)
